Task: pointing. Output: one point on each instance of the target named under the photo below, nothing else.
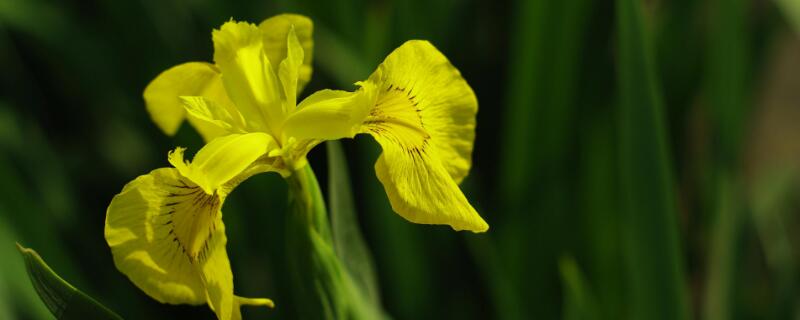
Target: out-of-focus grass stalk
(726, 92)
(770, 202)
(348, 241)
(654, 266)
(545, 51)
(601, 221)
(579, 303)
(720, 288)
(791, 8)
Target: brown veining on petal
(396, 117)
(191, 216)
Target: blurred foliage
(634, 159)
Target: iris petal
(222, 159)
(166, 234)
(275, 30)
(248, 76)
(189, 79)
(424, 119)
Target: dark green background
(635, 160)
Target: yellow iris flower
(165, 228)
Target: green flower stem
(307, 203)
(322, 288)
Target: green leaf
(579, 304)
(63, 300)
(654, 266)
(347, 239)
(321, 284)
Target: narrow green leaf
(655, 275)
(579, 303)
(727, 93)
(18, 299)
(322, 286)
(347, 239)
(723, 249)
(63, 300)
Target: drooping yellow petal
(217, 278)
(418, 186)
(189, 79)
(167, 236)
(330, 114)
(423, 116)
(416, 81)
(142, 238)
(275, 31)
(248, 76)
(222, 159)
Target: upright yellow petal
(222, 159)
(275, 31)
(289, 69)
(423, 116)
(167, 236)
(214, 115)
(189, 79)
(248, 76)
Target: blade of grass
(64, 301)
(720, 288)
(726, 90)
(348, 242)
(579, 303)
(18, 299)
(655, 274)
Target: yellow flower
(416, 105)
(165, 228)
